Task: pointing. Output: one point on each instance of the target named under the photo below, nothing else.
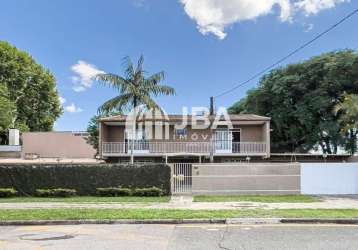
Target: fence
(329, 178)
(181, 178)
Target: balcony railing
(216, 147)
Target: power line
(289, 55)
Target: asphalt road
(179, 237)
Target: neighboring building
(247, 136)
(56, 145)
(13, 150)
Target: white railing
(118, 148)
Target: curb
(319, 221)
(229, 221)
(109, 222)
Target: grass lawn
(259, 198)
(88, 199)
(83, 214)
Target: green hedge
(85, 179)
(58, 192)
(7, 192)
(113, 192)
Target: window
(181, 132)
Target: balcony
(168, 148)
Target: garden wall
(329, 178)
(84, 178)
(246, 178)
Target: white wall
(329, 178)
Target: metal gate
(181, 178)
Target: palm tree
(135, 89)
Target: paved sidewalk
(186, 202)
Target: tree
(7, 109)
(300, 99)
(349, 120)
(135, 88)
(31, 88)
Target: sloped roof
(238, 117)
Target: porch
(111, 149)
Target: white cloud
(62, 100)
(213, 16)
(72, 108)
(308, 27)
(311, 7)
(84, 73)
(139, 3)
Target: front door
(236, 139)
(223, 141)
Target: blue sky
(204, 46)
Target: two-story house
(245, 135)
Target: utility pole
(212, 109)
(212, 112)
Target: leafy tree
(135, 88)
(349, 120)
(7, 109)
(31, 88)
(300, 98)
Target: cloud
(308, 27)
(214, 16)
(73, 109)
(84, 73)
(62, 100)
(139, 3)
(311, 7)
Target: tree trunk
(133, 129)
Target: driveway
(179, 237)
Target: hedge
(85, 179)
(7, 192)
(58, 192)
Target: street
(179, 237)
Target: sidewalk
(186, 202)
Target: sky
(204, 46)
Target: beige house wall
(252, 133)
(113, 133)
(249, 133)
(56, 145)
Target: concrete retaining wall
(329, 178)
(252, 178)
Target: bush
(44, 193)
(153, 191)
(57, 192)
(7, 192)
(63, 192)
(84, 178)
(113, 191)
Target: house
(179, 138)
